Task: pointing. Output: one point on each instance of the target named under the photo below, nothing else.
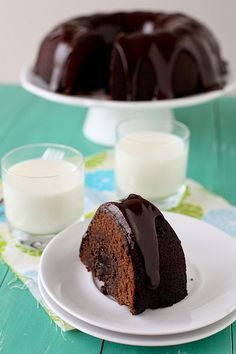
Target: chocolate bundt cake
(134, 251)
(132, 56)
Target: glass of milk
(43, 189)
(151, 160)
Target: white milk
(152, 164)
(43, 196)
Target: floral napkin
(99, 182)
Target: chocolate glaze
(133, 37)
(172, 35)
(137, 216)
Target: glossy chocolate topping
(137, 216)
(156, 44)
(164, 39)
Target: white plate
(34, 84)
(132, 339)
(212, 296)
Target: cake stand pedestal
(104, 115)
(101, 122)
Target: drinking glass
(151, 160)
(43, 188)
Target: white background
(24, 22)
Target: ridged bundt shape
(132, 56)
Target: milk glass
(43, 189)
(151, 160)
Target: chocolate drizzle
(138, 218)
(157, 39)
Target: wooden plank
(233, 334)
(13, 100)
(202, 163)
(45, 121)
(213, 145)
(3, 271)
(26, 328)
(226, 128)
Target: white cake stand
(104, 115)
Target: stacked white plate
(71, 293)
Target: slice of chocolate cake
(133, 250)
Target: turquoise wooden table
(24, 326)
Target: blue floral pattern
(2, 213)
(224, 219)
(100, 180)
